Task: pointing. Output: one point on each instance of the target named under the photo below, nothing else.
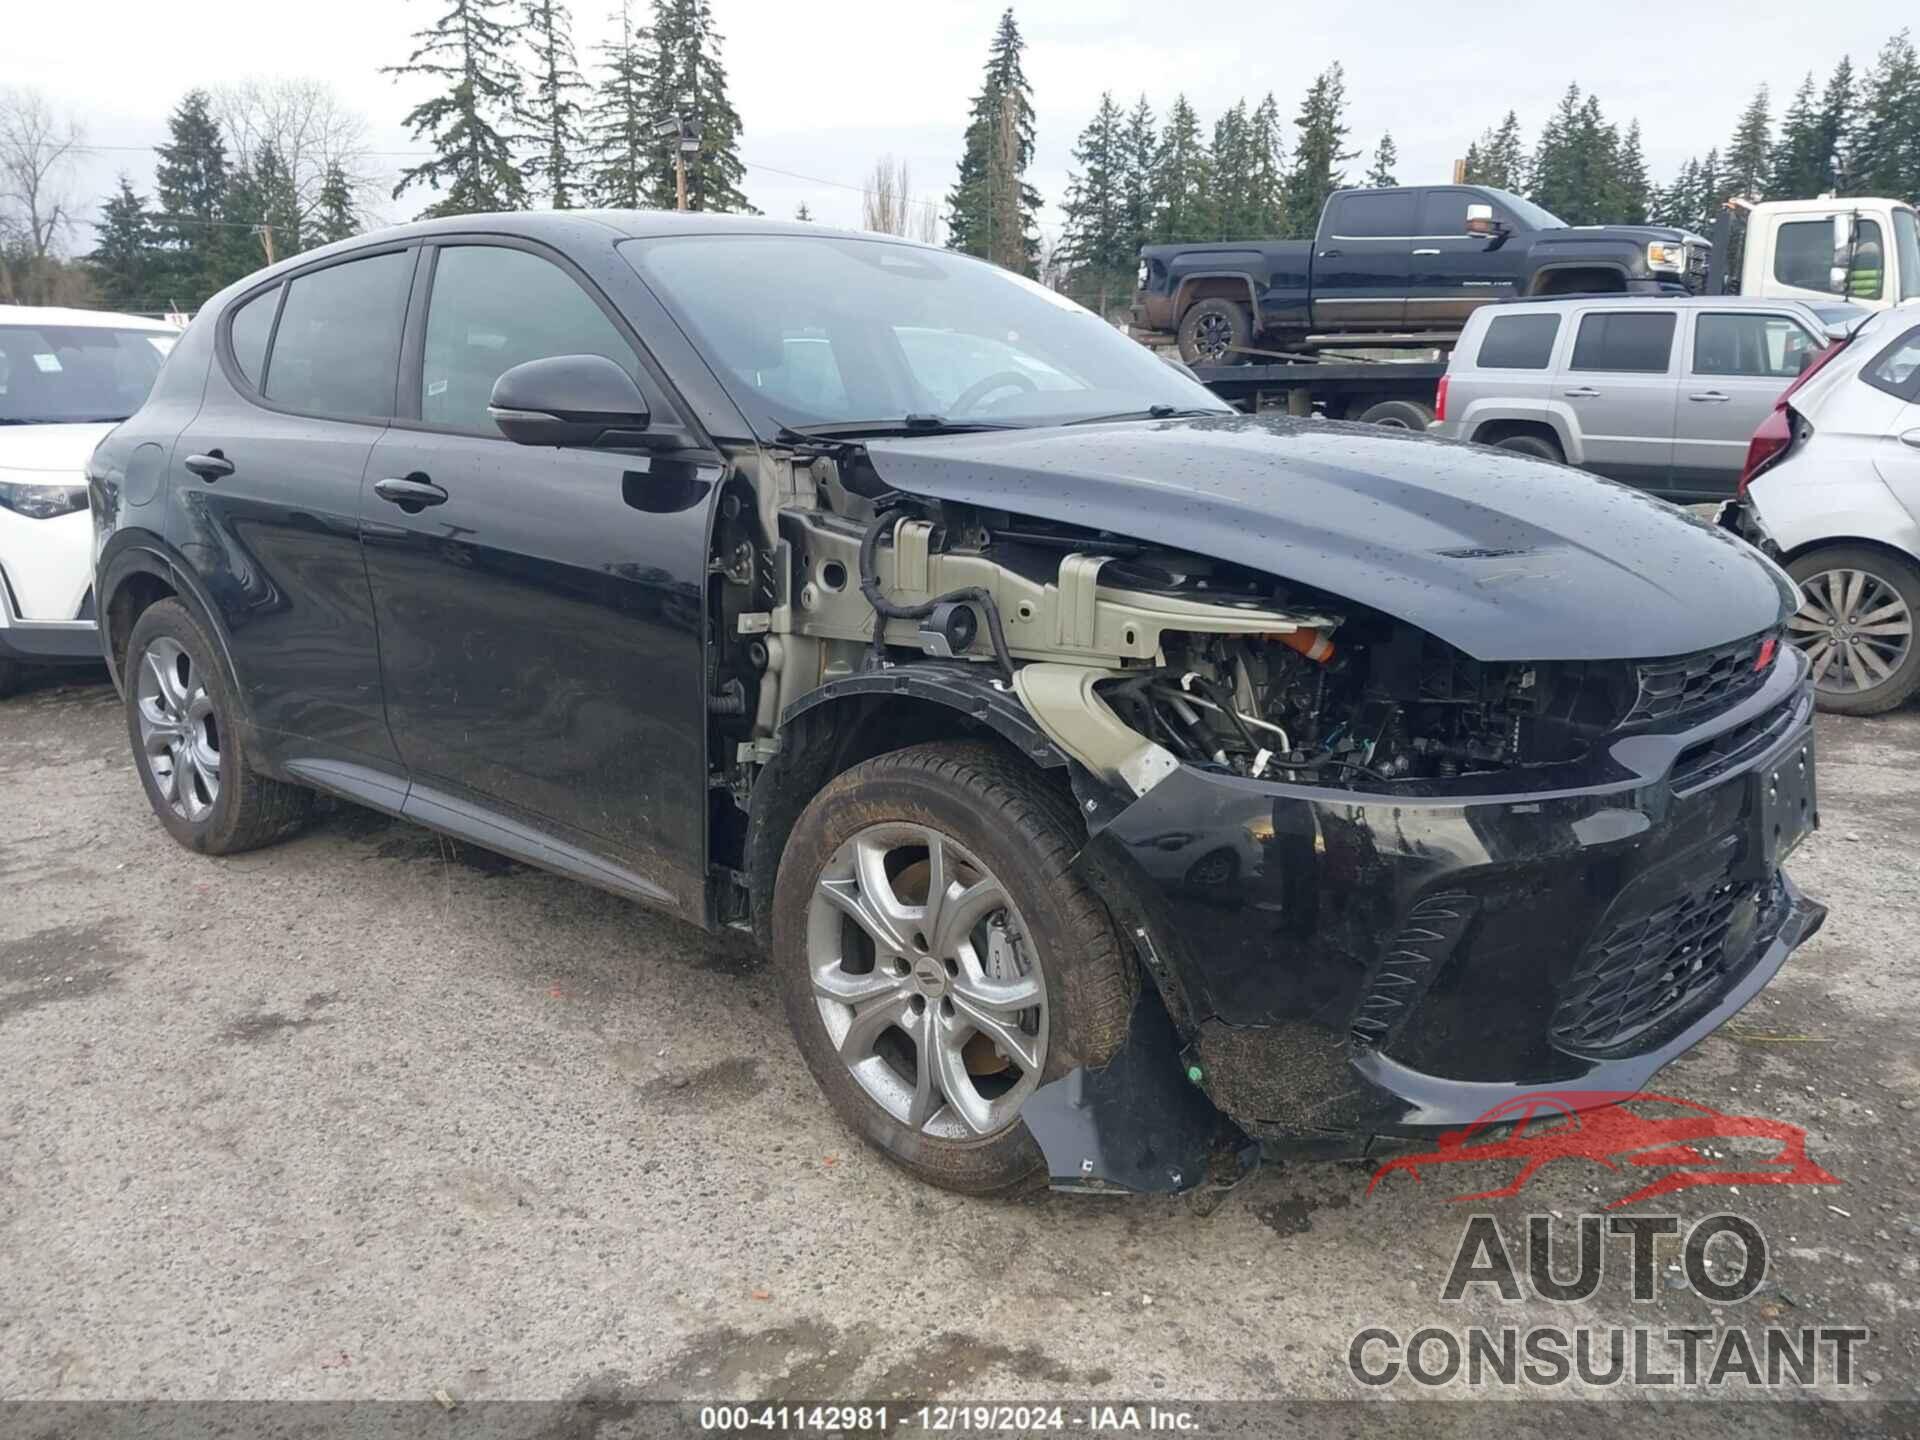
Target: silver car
(1834, 494)
(1662, 392)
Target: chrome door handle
(1713, 396)
(413, 493)
(1426, 252)
(1329, 254)
(1583, 393)
(1912, 437)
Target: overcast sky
(824, 89)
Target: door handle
(210, 467)
(1583, 393)
(1426, 252)
(1912, 437)
(1329, 254)
(415, 492)
(1715, 397)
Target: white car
(67, 377)
(1832, 490)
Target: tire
(1216, 332)
(997, 823)
(1889, 586)
(1397, 415)
(180, 712)
(1537, 446)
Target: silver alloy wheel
(179, 734)
(928, 981)
(1855, 629)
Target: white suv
(67, 377)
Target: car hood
(1504, 557)
(50, 450)
(1573, 233)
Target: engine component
(949, 630)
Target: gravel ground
(372, 1115)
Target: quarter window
(1805, 257)
(1770, 346)
(249, 330)
(1897, 368)
(338, 342)
(1618, 341)
(492, 309)
(1518, 342)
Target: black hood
(1504, 557)
(1574, 234)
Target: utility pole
(684, 131)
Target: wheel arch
(1215, 285)
(1494, 429)
(1843, 540)
(136, 570)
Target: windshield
(1906, 242)
(823, 330)
(1528, 213)
(64, 374)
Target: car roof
(1677, 302)
(72, 318)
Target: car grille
(1701, 764)
(1646, 969)
(1707, 678)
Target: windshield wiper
(1151, 412)
(905, 425)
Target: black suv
(1115, 780)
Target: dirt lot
(370, 1115)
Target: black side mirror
(568, 400)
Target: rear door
(1736, 363)
(1896, 370)
(1509, 373)
(1617, 388)
(1360, 260)
(1451, 273)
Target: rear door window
(1772, 347)
(1371, 215)
(1518, 342)
(1624, 342)
(337, 347)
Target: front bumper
(1346, 966)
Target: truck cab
(1860, 249)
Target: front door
(1736, 365)
(541, 616)
(1450, 273)
(1617, 390)
(1360, 260)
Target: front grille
(1699, 764)
(1646, 969)
(1707, 678)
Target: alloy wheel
(179, 732)
(927, 980)
(1213, 336)
(1854, 628)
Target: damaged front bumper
(1342, 971)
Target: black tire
(1024, 833)
(1537, 446)
(250, 809)
(1397, 415)
(1216, 332)
(1891, 570)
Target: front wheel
(1855, 624)
(939, 961)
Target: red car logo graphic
(1620, 1129)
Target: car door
(1360, 260)
(1896, 371)
(1451, 273)
(541, 621)
(265, 508)
(1736, 363)
(1616, 390)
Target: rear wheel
(939, 961)
(1855, 624)
(192, 762)
(1396, 415)
(1537, 446)
(1216, 332)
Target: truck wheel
(1215, 332)
(1855, 624)
(939, 961)
(1537, 446)
(1397, 415)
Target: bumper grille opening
(1705, 678)
(1646, 969)
(1701, 763)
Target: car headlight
(42, 502)
(1664, 255)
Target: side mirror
(1480, 219)
(1842, 234)
(567, 400)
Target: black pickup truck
(1399, 267)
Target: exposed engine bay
(1133, 658)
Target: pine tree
(1380, 174)
(1317, 156)
(1886, 139)
(620, 136)
(1138, 145)
(1558, 170)
(1633, 187)
(1230, 198)
(334, 216)
(124, 257)
(991, 208)
(1096, 248)
(1836, 129)
(802, 213)
(1499, 157)
(466, 49)
(1267, 184)
(1748, 153)
(551, 108)
(1797, 166)
(1182, 176)
(261, 217)
(683, 77)
(190, 186)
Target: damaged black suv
(1119, 783)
